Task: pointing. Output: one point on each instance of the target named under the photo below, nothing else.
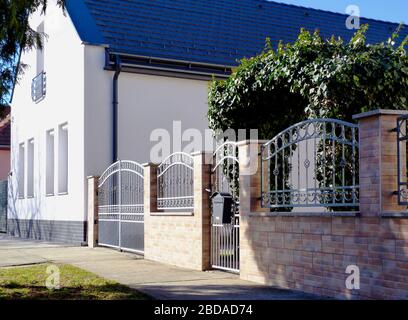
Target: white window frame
(21, 170)
(63, 159)
(50, 163)
(30, 168)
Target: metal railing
(175, 182)
(225, 237)
(38, 87)
(311, 164)
(402, 139)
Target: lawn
(29, 283)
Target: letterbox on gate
(221, 207)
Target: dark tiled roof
(211, 31)
(5, 126)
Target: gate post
(150, 188)
(92, 236)
(249, 199)
(250, 176)
(202, 183)
(379, 162)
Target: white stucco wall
(64, 103)
(146, 103)
(79, 92)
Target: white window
(49, 163)
(21, 169)
(63, 159)
(40, 52)
(30, 168)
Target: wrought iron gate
(121, 210)
(225, 237)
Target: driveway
(155, 279)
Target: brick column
(92, 235)
(250, 176)
(150, 205)
(378, 162)
(150, 188)
(202, 183)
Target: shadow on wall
(312, 255)
(28, 208)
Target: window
(21, 169)
(49, 162)
(30, 169)
(63, 159)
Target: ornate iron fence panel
(312, 164)
(402, 138)
(175, 182)
(225, 237)
(121, 207)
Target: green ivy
(311, 78)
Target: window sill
(305, 214)
(50, 195)
(62, 193)
(30, 197)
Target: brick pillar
(150, 205)
(150, 188)
(92, 235)
(250, 176)
(378, 162)
(202, 183)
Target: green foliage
(16, 36)
(311, 78)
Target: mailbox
(221, 207)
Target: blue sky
(390, 10)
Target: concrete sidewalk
(157, 280)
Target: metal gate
(121, 207)
(225, 237)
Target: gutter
(169, 67)
(115, 104)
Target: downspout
(115, 104)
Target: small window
(63, 159)
(50, 163)
(30, 169)
(21, 169)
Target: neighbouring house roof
(216, 32)
(5, 126)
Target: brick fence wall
(179, 238)
(311, 252)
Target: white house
(113, 71)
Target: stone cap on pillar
(378, 112)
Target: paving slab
(158, 280)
